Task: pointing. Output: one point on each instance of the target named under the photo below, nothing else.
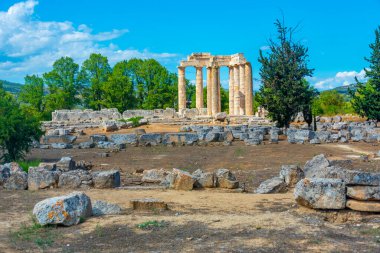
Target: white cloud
(343, 78)
(30, 46)
(264, 48)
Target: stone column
(231, 91)
(236, 91)
(242, 89)
(214, 90)
(248, 90)
(181, 88)
(209, 91)
(199, 88)
(219, 97)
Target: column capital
(181, 67)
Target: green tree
(94, 74)
(32, 97)
(63, 84)
(283, 69)
(17, 129)
(118, 90)
(366, 98)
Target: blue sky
(35, 33)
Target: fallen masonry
(197, 134)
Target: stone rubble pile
(327, 184)
(204, 134)
(183, 180)
(65, 173)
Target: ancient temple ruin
(240, 82)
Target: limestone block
(363, 206)
(272, 185)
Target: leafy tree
(94, 74)
(17, 129)
(283, 69)
(366, 98)
(224, 99)
(32, 97)
(63, 84)
(118, 90)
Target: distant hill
(11, 87)
(344, 89)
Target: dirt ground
(212, 220)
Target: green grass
(26, 164)
(135, 121)
(40, 235)
(151, 225)
(239, 152)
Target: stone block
(272, 185)
(148, 204)
(106, 179)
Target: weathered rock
(180, 138)
(18, 180)
(272, 185)
(124, 138)
(65, 164)
(183, 180)
(204, 179)
(150, 139)
(321, 193)
(323, 136)
(220, 116)
(315, 141)
(139, 131)
(86, 145)
(67, 139)
(98, 137)
(104, 208)
(75, 179)
(61, 145)
(48, 166)
(364, 192)
(67, 210)
(225, 179)
(212, 136)
(148, 204)
(363, 206)
(106, 179)
(6, 170)
(346, 164)
(40, 178)
(109, 126)
(315, 165)
(143, 122)
(291, 174)
(274, 135)
(154, 175)
(109, 145)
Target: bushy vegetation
(366, 98)
(133, 84)
(329, 103)
(26, 164)
(18, 129)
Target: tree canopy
(285, 92)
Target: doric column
(199, 88)
(248, 90)
(219, 97)
(242, 89)
(236, 91)
(214, 90)
(231, 91)
(209, 91)
(181, 88)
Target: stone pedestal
(199, 88)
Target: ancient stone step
(364, 206)
(364, 192)
(148, 204)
